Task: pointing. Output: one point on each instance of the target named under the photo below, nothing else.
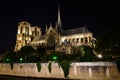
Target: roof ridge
(74, 28)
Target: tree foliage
(9, 56)
(87, 53)
(26, 52)
(41, 53)
(49, 67)
(65, 65)
(83, 53)
(38, 66)
(108, 43)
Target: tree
(41, 52)
(83, 53)
(65, 65)
(9, 56)
(20, 57)
(87, 53)
(27, 51)
(108, 43)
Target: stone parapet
(78, 70)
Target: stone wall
(82, 70)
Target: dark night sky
(96, 16)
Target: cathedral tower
(26, 33)
(23, 35)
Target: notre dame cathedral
(61, 40)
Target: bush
(38, 66)
(49, 67)
(65, 65)
(11, 65)
(118, 65)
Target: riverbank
(77, 71)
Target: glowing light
(99, 56)
(21, 59)
(54, 58)
(7, 59)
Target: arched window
(77, 40)
(86, 40)
(73, 40)
(81, 40)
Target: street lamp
(100, 56)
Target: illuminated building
(62, 40)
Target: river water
(25, 78)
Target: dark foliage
(38, 66)
(49, 67)
(118, 64)
(65, 65)
(11, 65)
(108, 43)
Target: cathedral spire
(50, 24)
(59, 20)
(46, 29)
(59, 26)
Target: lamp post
(100, 56)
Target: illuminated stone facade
(25, 34)
(63, 40)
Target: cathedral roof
(75, 31)
(37, 38)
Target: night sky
(96, 16)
